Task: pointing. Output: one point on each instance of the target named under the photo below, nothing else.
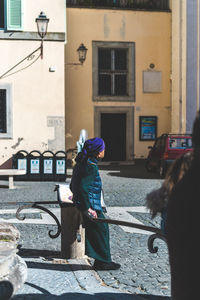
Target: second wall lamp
(82, 51)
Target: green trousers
(97, 243)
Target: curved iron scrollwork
(151, 239)
(36, 205)
(157, 232)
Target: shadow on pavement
(153, 297)
(3, 186)
(86, 296)
(24, 252)
(130, 171)
(58, 266)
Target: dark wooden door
(113, 132)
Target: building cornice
(32, 36)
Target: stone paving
(72, 279)
(141, 272)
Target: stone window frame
(129, 111)
(9, 117)
(131, 70)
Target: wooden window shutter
(14, 15)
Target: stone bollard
(72, 233)
(13, 269)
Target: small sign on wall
(48, 166)
(35, 166)
(152, 81)
(22, 164)
(60, 166)
(148, 128)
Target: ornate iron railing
(154, 5)
(157, 233)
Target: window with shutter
(14, 15)
(3, 122)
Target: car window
(180, 143)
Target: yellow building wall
(151, 32)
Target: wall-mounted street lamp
(82, 51)
(42, 24)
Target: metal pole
(41, 49)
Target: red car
(165, 150)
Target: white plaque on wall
(152, 81)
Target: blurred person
(157, 200)
(182, 227)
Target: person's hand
(92, 212)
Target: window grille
(112, 71)
(3, 112)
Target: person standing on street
(157, 200)
(182, 227)
(86, 187)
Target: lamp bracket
(28, 57)
(74, 64)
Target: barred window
(112, 66)
(113, 71)
(3, 125)
(5, 111)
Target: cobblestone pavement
(141, 272)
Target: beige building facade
(122, 92)
(32, 97)
(185, 64)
